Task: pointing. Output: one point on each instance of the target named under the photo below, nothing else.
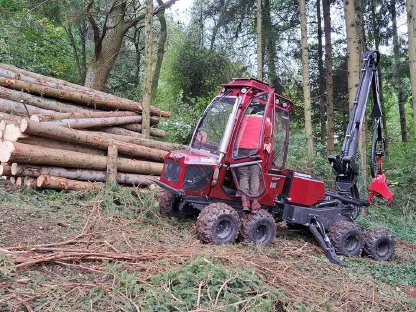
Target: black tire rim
(351, 243)
(260, 234)
(383, 248)
(224, 228)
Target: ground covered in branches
(111, 250)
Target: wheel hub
(261, 233)
(351, 242)
(224, 228)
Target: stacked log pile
(55, 134)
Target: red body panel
(306, 190)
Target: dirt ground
(149, 243)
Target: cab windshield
(210, 131)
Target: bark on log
(24, 153)
(90, 100)
(112, 155)
(58, 183)
(30, 182)
(93, 139)
(49, 105)
(64, 85)
(20, 108)
(5, 170)
(76, 115)
(138, 128)
(79, 174)
(122, 131)
(86, 123)
(4, 116)
(52, 143)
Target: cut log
(24, 153)
(112, 155)
(58, 84)
(79, 174)
(12, 180)
(5, 170)
(30, 182)
(86, 123)
(13, 133)
(20, 108)
(53, 143)
(121, 131)
(3, 125)
(138, 128)
(19, 181)
(48, 106)
(4, 116)
(90, 100)
(58, 183)
(93, 139)
(1, 135)
(91, 114)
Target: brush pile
(55, 134)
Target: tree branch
(96, 30)
(139, 18)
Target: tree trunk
(5, 170)
(148, 47)
(397, 72)
(76, 174)
(57, 183)
(23, 153)
(326, 7)
(47, 105)
(86, 123)
(321, 71)
(53, 143)
(101, 141)
(160, 48)
(411, 31)
(306, 83)
(259, 32)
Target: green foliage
(7, 267)
(217, 287)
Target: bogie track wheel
(379, 244)
(347, 238)
(258, 228)
(169, 205)
(218, 223)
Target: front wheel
(379, 244)
(258, 228)
(169, 206)
(347, 238)
(218, 223)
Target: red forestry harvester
(238, 153)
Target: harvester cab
(233, 174)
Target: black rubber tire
(218, 223)
(258, 228)
(168, 204)
(379, 244)
(347, 238)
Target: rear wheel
(379, 244)
(258, 228)
(347, 238)
(218, 224)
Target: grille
(171, 171)
(196, 177)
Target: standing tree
(306, 83)
(355, 42)
(259, 40)
(108, 40)
(321, 72)
(411, 30)
(326, 8)
(148, 45)
(160, 47)
(397, 72)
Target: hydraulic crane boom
(344, 165)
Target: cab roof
(248, 82)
